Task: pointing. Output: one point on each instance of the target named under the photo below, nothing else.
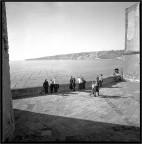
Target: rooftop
(79, 116)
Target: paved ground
(78, 116)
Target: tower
(131, 55)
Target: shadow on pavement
(112, 84)
(37, 127)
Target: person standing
(83, 83)
(54, 85)
(100, 80)
(80, 83)
(71, 84)
(97, 79)
(45, 85)
(51, 85)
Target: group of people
(99, 80)
(52, 86)
(81, 82)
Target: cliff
(85, 55)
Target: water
(33, 73)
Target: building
(131, 57)
(8, 125)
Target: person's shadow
(108, 96)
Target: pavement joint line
(119, 112)
(131, 116)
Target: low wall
(131, 66)
(17, 93)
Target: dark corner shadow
(36, 127)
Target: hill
(85, 55)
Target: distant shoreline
(84, 56)
(67, 59)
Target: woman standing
(100, 80)
(51, 85)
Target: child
(95, 88)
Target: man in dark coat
(97, 79)
(83, 83)
(71, 82)
(45, 85)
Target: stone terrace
(78, 116)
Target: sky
(38, 29)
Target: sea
(24, 74)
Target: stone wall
(132, 28)
(131, 57)
(132, 67)
(8, 126)
(28, 92)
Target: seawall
(25, 92)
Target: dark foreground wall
(17, 93)
(8, 126)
